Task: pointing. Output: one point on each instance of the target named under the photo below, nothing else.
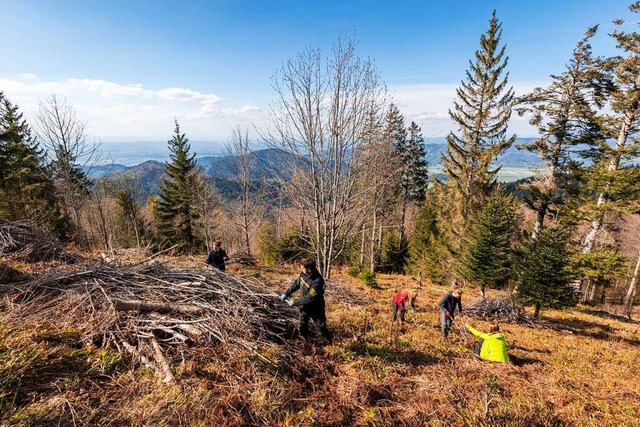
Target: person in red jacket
(400, 301)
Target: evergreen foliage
(564, 113)
(414, 164)
(600, 269)
(26, 187)
(482, 110)
(176, 210)
(614, 178)
(288, 249)
(394, 128)
(544, 273)
(486, 254)
(130, 212)
(428, 252)
(394, 254)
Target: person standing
(310, 283)
(217, 256)
(447, 306)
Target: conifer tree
(428, 252)
(481, 111)
(127, 190)
(381, 178)
(394, 129)
(544, 273)
(175, 210)
(414, 172)
(564, 115)
(26, 187)
(486, 253)
(614, 178)
(409, 146)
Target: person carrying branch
(399, 304)
(491, 346)
(217, 256)
(447, 306)
(310, 283)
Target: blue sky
(129, 67)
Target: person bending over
(399, 303)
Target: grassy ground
(576, 367)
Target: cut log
(146, 362)
(158, 308)
(168, 377)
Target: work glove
(447, 314)
(290, 303)
(283, 297)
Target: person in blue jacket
(310, 283)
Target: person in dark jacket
(311, 302)
(217, 257)
(447, 306)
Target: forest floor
(577, 367)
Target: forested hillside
(161, 293)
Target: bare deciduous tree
(319, 117)
(243, 161)
(207, 204)
(70, 152)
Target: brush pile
(154, 313)
(505, 309)
(25, 241)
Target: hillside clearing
(575, 367)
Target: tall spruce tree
(614, 178)
(486, 254)
(544, 272)
(26, 188)
(481, 110)
(565, 117)
(414, 175)
(176, 210)
(396, 133)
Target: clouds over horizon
(116, 111)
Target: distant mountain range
(271, 162)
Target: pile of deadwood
(152, 312)
(25, 241)
(498, 309)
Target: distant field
(507, 174)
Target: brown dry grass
(576, 367)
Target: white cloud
(115, 111)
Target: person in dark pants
(217, 257)
(447, 309)
(311, 302)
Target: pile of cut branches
(153, 313)
(25, 241)
(505, 309)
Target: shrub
(368, 277)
